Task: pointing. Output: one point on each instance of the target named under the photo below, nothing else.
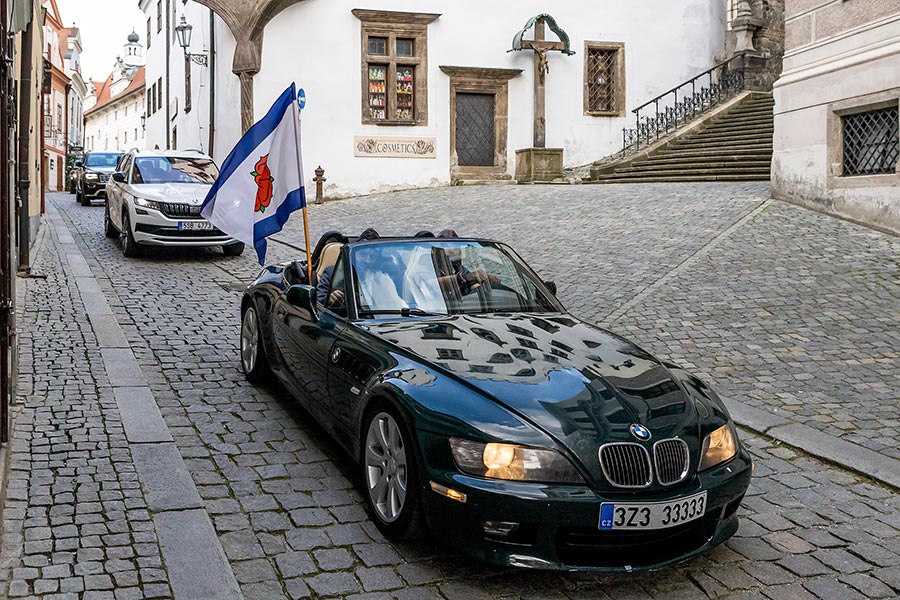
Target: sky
(104, 26)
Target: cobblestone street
(783, 310)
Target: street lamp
(183, 32)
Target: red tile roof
(105, 97)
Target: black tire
(130, 247)
(85, 201)
(109, 229)
(78, 196)
(233, 249)
(410, 522)
(254, 361)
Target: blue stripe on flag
(253, 138)
(262, 229)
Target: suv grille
(626, 465)
(671, 458)
(180, 211)
(104, 178)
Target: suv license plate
(194, 225)
(652, 515)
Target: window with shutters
(604, 79)
(394, 67)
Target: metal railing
(680, 105)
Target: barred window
(871, 142)
(604, 79)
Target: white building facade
(407, 94)
(77, 90)
(837, 110)
(114, 110)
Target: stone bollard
(319, 179)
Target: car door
(114, 192)
(306, 344)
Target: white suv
(154, 198)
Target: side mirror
(551, 285)
(304, 298)
(79, 163)
(118, 177)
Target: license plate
(194, 225)
(651, 515)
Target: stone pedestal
(539, 164)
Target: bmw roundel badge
(640, 432)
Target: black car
(94, 171)
(479, 409)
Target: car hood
(106, 170)
(190, 193)
(582, 385)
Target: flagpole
(300, 171)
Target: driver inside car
(455, 278)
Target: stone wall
(842, 57)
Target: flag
(261, 182)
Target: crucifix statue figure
(540, 46)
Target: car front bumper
(153, 228)
(94, 189)
(559, 524)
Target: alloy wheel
(249, 340)
(386, 467)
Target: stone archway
(247, 20)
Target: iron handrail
(723, 81)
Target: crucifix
(540, 46)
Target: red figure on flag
(264, 179)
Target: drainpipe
(25, 101)
(168, 43)
(212, 83)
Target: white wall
(106, 128)
(317, 44)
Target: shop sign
(394, 147)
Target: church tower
(133, 52)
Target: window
(159, 93)
(59, 117)
(394, 67)
(159, 16)
(871, 142)
(126, 137)
(604, 79)
(149, 31)
(336, 301)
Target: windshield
(444, 277)
(174, 169)
(101, 160)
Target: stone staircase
(732, 145)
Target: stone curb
(848, 455)
(196, 563)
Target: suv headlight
(511, 462)
(151, 204)
(718, 446)
(91, 176)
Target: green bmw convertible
(480, 410)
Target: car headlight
(511, 462)
(146, 203)
(718, 446)
(91, 176)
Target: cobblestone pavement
(284, 499)
(75, 522)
